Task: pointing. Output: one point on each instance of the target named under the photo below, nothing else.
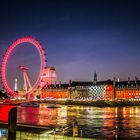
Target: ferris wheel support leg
(25, 84)
(28, 81)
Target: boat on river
(29, 104)
(53, 106)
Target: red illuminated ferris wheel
(40, 49)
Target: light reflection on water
(97, 123)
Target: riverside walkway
(29, 132)
(47, 137)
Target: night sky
(79, 36)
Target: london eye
(37, 45)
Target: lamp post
(54, 133)
(63, 133)
(81, 134)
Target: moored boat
(29, 104)
(53, 106)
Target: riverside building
(99, 90)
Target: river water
(97, 123)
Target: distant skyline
(79, 36)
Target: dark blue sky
(79, 36)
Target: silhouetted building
(95, 78)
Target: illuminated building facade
(79, 90)
(102, 90)
(55, 91)
(48, 77)
(98, 92)
(128, 90)
(120, 90)
(91, 90)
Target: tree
(3, 94)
